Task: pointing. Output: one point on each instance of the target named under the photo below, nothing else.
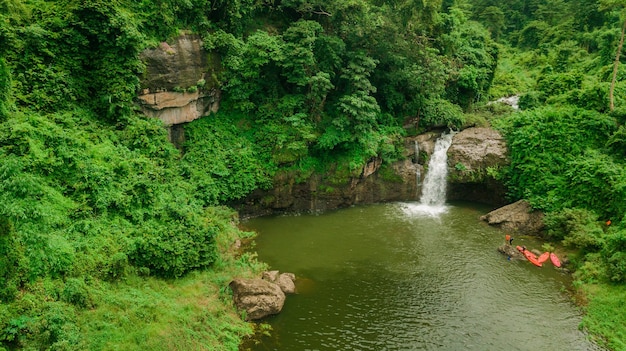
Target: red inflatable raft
(530, 256)
(544, 257)
(555, 260)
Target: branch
(322, 12)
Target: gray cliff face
(178, 85)
(474, 154)
(320, 193)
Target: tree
(615, 4)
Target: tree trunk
(615, 65)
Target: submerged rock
(511, 251)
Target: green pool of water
(404, 277)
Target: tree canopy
(95, 200)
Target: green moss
(387, 174)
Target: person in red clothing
(508, 239)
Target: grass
(606, 314)
(192, 313)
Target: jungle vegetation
(106, 227)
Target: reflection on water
(406, 277)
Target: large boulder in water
(518, 217)
(473, 157)
(286, 281)
(259, 298)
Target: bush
(440, 112)
(577, 228)
(56, 328)
(173, 250)
(544, 144)
(614, 253)
(76, 292)
(11, 252)
(221, 163)
(117, 266)
(531, 100)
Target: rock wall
(400, 181)
(474, 155)
(179, 83)
(321, 193)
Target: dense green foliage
(102, 220)
(567, 146)
(97, 208)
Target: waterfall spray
(434, 187)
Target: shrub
(11, 252)
(117, 266)
(76, 292)
(614, 253)
(440, 112)
(544, 144)
(531, 100)
(577, 228)
(173, 250)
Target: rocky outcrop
(262, 297)
(178, 85)
(257, 297)
(375, 182)
(474, 154)
(511, 252)
(286, 281)
(517, 217)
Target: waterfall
(433, 198)
(418, 174)
(416, 146)
(434, 187)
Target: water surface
(406, 276)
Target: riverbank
(194, 312)
(605, 314)
(135, 311)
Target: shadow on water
(406, 276)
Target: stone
(517, 217)
(286, 282)
(371, 167)
(511, 251)
(178, 85)
(473, 152)
(476, 149)
(257, 297)
(270, 276)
